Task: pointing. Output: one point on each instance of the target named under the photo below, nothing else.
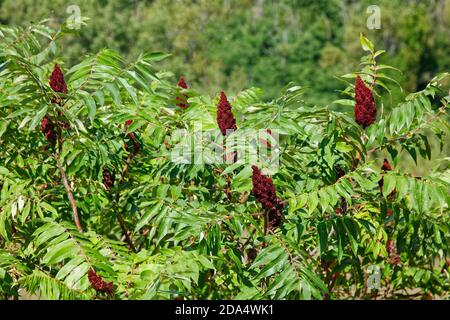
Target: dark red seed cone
(48, 129)
(265, 193)
(263, 189)
(182, 100)
(386, 166)
(99, 284)
(182, 83)
(108, 179)
(57, 82)
(389, 212)
(365, 110)
(225, 118)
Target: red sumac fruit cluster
(365, 110)
(225, 118)
(182, 101)
(265, 193)
(99, 284)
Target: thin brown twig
(76, 219)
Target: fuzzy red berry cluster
(48, 129)
(133, 139)
(263, 189)
(386, 165)
(108, 179)
(225, 118)
(58, 85)
(182, 101)
(99, 284)
(57, 82)
(265, 193)
(365, 110)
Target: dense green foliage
(171, 230)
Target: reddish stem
(76, 219)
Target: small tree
(92, 204)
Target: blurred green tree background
(236, 44)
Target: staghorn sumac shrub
(113, 197)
